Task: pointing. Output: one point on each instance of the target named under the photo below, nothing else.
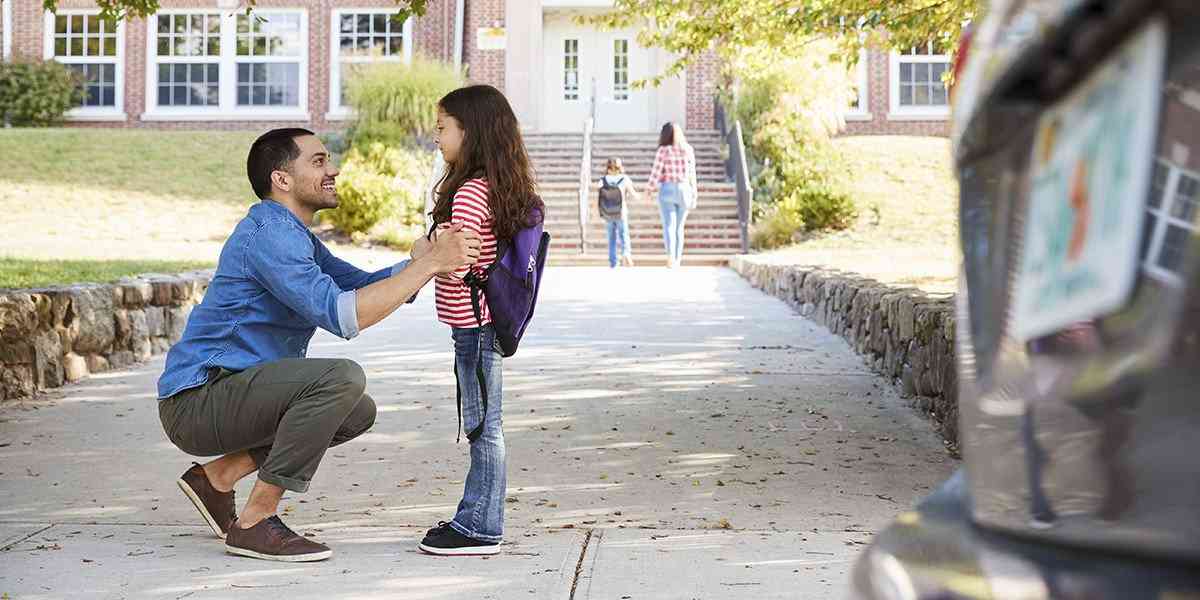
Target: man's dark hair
(272, 151)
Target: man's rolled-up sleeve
(280, 256)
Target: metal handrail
(585, 183)
(736, 168)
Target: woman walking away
(488, 188)
(616, 189)
(674, 175)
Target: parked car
(1077, 148)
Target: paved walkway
(672, 434)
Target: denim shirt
(275, 283)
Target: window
(268, 63)
(1171, 221)
(360, 37)
(916, 82)
(570, 69)
(188, 48)
(204, 64)
(621, 69)
(92, 47)
(859, 102)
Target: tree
(128, 9)
(691, 27)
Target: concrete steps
(712, 230)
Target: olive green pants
(285, 413)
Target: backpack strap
(476, 285)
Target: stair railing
(585, 183)
(736, 168)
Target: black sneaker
(443, 540)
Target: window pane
(906, 95)
(1174, 248)
(346, 45)
(938, 97)
(260, 46)
(364, 23)
(164, 73)
(396, 45)
(906, 74)
(179, 23)
(164, 95)
(214, 46)
(197, 73)
(243, 73)
(181, 72)
(379, 45)
(347, 24)
(108, 96)
(213, 73)
(179, 46)
(60, 46)
(243, 97)
(214, 24)
(243, 24)
(258, 95)
(379, 23)
(243, 46)
(364, 45)
(76, 46)
(921, 95)
(938, 71)
(179, 95)
(1184, 207)
(60, 24)
(76, 24)
(921, 73)
(91, 24)
(110, 46)
(1158, 185)
(198, 24)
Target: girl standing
(674, 175)
(617, 223)
(488, 188)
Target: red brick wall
(483, 66)
(701, 87)
(879, 105)
(433, 34)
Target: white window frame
(338, 112)
(227, 108)
(862, 75)
(612, 68)
(562, 72)
(116, 112)
(913, 113)
(1162, 219)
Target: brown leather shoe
(216, 507)
(270, 539)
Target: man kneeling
(238, 384)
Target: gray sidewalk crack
(587, 541)
(15, 542)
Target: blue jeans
(480, 513)
(618, 228)
(674, 214)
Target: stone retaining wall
(903, 333)
(57, 335)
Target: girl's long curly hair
(492, 148)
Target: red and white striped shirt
(673, 163)
(451, 295)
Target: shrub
(790, 105)
(395, 102)
(37, 94)
(379, 182)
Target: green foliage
(37, 94)
(127, 9)
(789, 105)
(691, 28)
(396, 102)
(379, 182)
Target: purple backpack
(511, 283)
(511, 287)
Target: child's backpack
(612, 199)
(511, 287)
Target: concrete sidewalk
(672, 434)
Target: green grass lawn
(907, 231)
(206, 165)
(18, 273)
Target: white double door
(582, 66)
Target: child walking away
(488, 188)
(615, 190)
